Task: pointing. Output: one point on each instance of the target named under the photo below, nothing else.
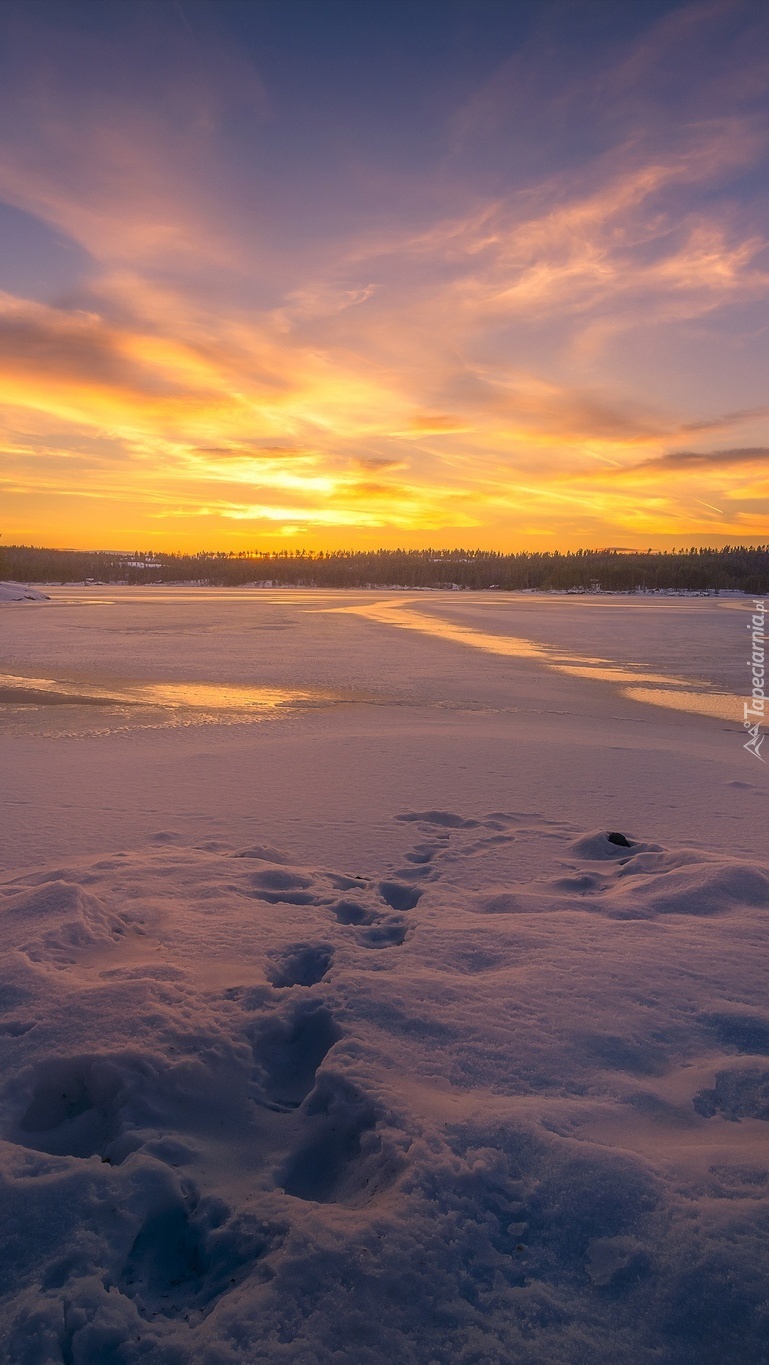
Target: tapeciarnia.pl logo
(754, 708)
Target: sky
(281, 274)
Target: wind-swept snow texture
(505, 1101)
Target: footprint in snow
(299, 964)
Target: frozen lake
(131, 711)
(384, 978)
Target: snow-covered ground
(21, 592)
(336, 1028)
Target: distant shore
(732, 568)
(17, 592)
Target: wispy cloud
(683, 460)
(503, 352)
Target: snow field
(505, 1101)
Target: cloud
(250, 452)
(117, 136)
(374, 462)
(727, 419)
(371, 489)
(684, 460)
(71, 347)
(498, 335)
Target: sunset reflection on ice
(679, 694)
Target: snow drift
(21, 592)
(253, 1111)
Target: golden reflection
(23, 691)
(719, 705)
(681, 694)
(388, 613)
(609, 673)
(222, 696)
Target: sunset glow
(376, 274)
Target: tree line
(734, 566)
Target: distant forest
(734, 566)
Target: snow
(21, 592)
(340, 1029)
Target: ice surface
(371, 719)
(306, 1058)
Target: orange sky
(245, 304)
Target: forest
(738, 567)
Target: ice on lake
(383, 979)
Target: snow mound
(255, 1111)
(21, 592)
